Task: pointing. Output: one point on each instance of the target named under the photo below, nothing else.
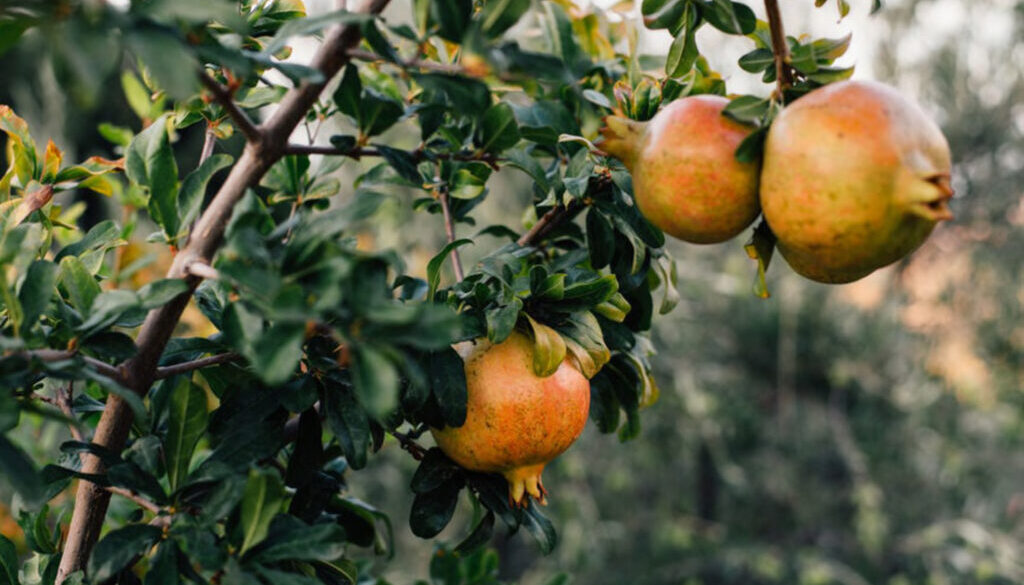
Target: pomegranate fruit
(686, 179)
(855, 177)
(516, 421)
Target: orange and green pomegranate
(855, 177)
(686, 179)
(516, 421)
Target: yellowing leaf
(548, 349)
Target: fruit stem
(780, 48)
(620, 138)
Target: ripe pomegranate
(855, 177)
(686, 179)
(516, 421)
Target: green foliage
(308, 349)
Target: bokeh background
(865, 434)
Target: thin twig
(209, 141)
(549, 221)
(416, 155)
(64, 401)
(186, 367)
(220, 93)
(449, 225)
(130, 495)
(413, 63)
(58, 355)
(780, 48)
(409, 444)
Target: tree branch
(130, 495)
(259, 155)
(549, 221)
(226, 100)
(449, 226)
(414, 63)
(58, 355)
(417, 155)
(783, 71)
(186, 367)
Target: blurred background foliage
(870, 433)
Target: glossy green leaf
(149, 161)
(160, 292)
(498, 129)
(186, 421)
(290, 539)
(757, 60)
(432, 511)
(747, 109)
(262, 500)
(193, 188)
(452, 18)
(375, 378)
(36, 291)
(730, 17)
(119, 547)
(163, 565)
(80, 285)
(349, 423)
(548, 348)
(107, 308)
(434, 266)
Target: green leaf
(683, 52)
(36, 291)
(828, 50)
(660, 14)
(747, 109)
(138, 97)
(498, 130)
(480, 535)
(757, 60)
(186, 421)
(447, 374)
(464, 96)
(502, 320)
(277, 352)
(540, 528)
(375, 378)
(548, 348)
(262, 500)
(452, 18)
(349, 423)
(167, 59)
(585, 342)
(559, 32)
(434, 471)
(464, 184)
(8, 562)
(434, 266)
(118, 135)
(149, 162)
(402, 162)
(120, 547)
(80, 285)
(498, 16)
(160, 292)
(432, 511)
(377, 112)
(752, 147)
(826, 75)
(107, 308)
(760, 248)
(290, 539)
(730, 17)
(193, 188)
(522, 160)
(311, 25)
(18, 472)
(163, 565)
(600, 239)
